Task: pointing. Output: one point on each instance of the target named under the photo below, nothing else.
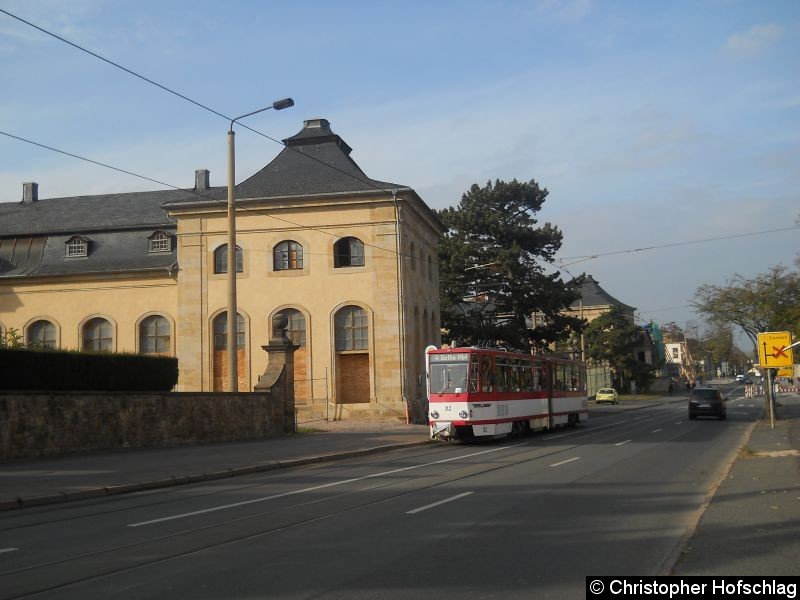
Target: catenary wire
(557, 263)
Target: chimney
(30, 192)
(201, 177)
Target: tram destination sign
(446, 358)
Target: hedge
(25, 369)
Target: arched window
(348, 252)
(155, 336)
(287, 255)
(221, 259)
(98, 335)
(221, 331)
(352, 329)
(296, 330)
(41, 334)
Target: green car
(607, 395)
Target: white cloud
(754, 41)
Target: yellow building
(352, 262)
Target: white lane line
(440, 502)
(678, 422)
(656, 430)
(4, 550)
(563, 462)
(313, 489)
(621, 443)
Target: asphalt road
(504, 519)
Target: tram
(487, 393)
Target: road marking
(678, 422)
(656, 430)
(4, 550)
(620, 443)
(439, 503)
(313, 488)
(563, 462)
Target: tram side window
(487, 376)
(526, 376)
(537, 374)
(560, 377)
(500, 384)
(474, 368)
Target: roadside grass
(306, 429)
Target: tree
(768, 302)
(491, 268)
(720, 345)
(612, 339)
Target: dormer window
(77, 247)
(160, 241)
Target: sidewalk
(37, 481)
(752, 524)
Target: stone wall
(48, 424)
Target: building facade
(350, 260)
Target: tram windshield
(449, 378)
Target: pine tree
(492, 271)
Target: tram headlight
(434, 414)
(463, 414)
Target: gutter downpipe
(401, 319)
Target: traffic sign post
(774, 352)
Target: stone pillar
(278, 378)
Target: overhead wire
(367, 182)
(558, 263)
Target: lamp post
(233, 311)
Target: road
(501, 519)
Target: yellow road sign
(785, 372)
(773, 349)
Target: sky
(652, 124)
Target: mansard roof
(592, 295)
(315, 161)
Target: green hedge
(23, 369)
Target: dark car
(706, 402)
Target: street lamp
(233, 312)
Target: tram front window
(450, 378)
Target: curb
(672, 559)
(127, 488)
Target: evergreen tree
(491, 268)
(611, 339)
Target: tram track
(521, 453)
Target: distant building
(595, 301)
(350, 260)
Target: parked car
(708, 402)
(607, 395)
(740, 378)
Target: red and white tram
(484, 392)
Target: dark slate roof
(83, 214)
(118, 225)
(303, 168)
(107, 252)
(593, 295)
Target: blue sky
(650, 123)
